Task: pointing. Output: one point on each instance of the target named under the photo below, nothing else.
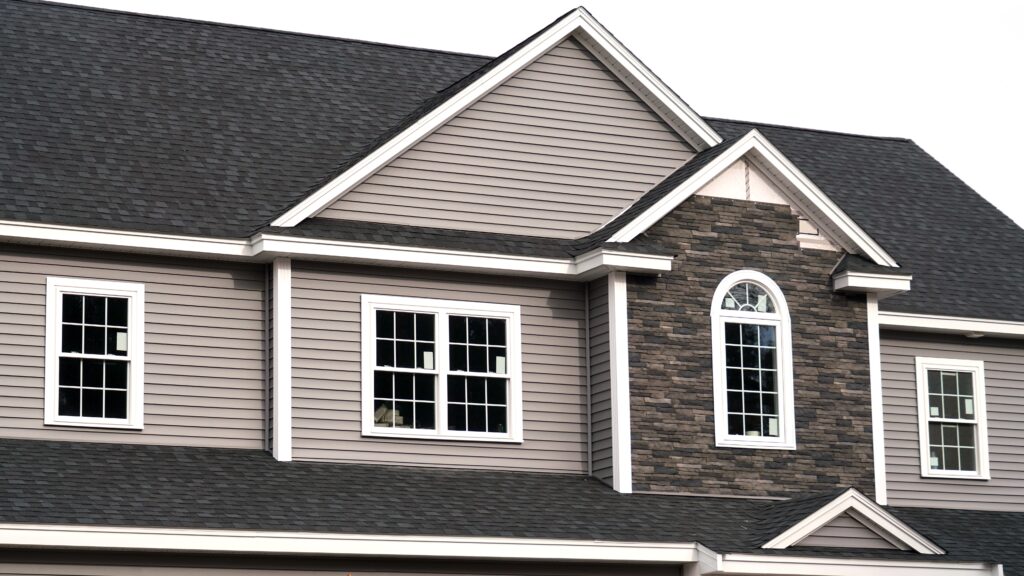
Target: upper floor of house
(544, 261)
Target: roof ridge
(805, 129)
(89, 8)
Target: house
(275, 303)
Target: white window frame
(56, 287)
(977, 367)
(442, 309)
(784, 347)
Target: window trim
(135, 292)
(977, 367)
(787, 414)
(511, 313)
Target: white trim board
(975, 327)
(306, 543)
(282, 360)
(578, 23)
(883, 285)
(823, 566)
(618, 367)
(809, 200)
(877, 401)
(883, 523)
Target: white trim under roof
(591, 33)
(853, 502)
(806, 196)
(761, 565)
(884, 285)
(376, 545)
(971, 327)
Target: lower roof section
(190, 498)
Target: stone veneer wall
(673, 437)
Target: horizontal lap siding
(557, 150)
(600, 381)
(204, 346)
(845, 532)
(326, 361)
(1004, 394)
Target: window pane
(457, 357)
(92, 403)
(751, 380)
(496, 419)
(748, 297)
(117, 341)
(71, 308)
(769, 404)
(477, 359)
(476, 390)
(425, 415)
(477, 331)
(949, 385)
(403, 386)
(405, 354)
(456, 389)
(385, 353)
(735, 425)
(734, 379)
(496, 388)
(732, 356)
(404, 417)
(69, 372)
(768, 358)
(92, 373)
(752, 403)
(425, 387)
(117, 312)
(966, 383)
(404, 325)
(382, 384)
(71, 339)
(768, 381)
(496, 360)
(950, 408)
(968, 460)
(751, 357)
(457, 417)
(767, 335)
(385, 324)
(95, 310)
(734, 401)
(69, 402)
(116, 404)
(383, 413)
(752, 425)
(95, 340)
(476, 419)
(748, 334)
(496, 332)
(934, 381)
(425, 355)
(732, 333)
(116, 375)
(425, 327)
(457, 329)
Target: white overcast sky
(949, 75)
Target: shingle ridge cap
(815, 130)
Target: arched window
(753, 363)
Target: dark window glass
(403, 386)
(72, 308)
(457, 417)
(382, 384)
(95, 310)
(477, 359)
(385, 324)
(405, 354)
(92, 403)
(385, 353)
(69, 401)
(71, 339)
(495, 332)
(92, 373)
(69, 372)
(117, 312)
(477, 331)
(95, 340)
(476, 418)
(425, 327)
(116, 404)
(732, 333)
(425, 387)
(750, 367)
(405, 326)
(404, 414)
(457, 329)
(458, 358)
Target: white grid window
(752, 363)
(441, 369)
(94, 353)
(951, 402)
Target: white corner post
(877, 401)
(282, 380)
(618, 349)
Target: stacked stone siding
(673, 436)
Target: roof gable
(820, 526)
(803, 195)
(556, 150)
(578, 23)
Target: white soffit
(806, 197)
(578, 23)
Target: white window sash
(786, 440)
(56, 288)
(442, 310)
(979, 422)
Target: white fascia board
(823, 566)
(951, 324)
(80, 237)
(884, 285)
(586, 265)
(578, 21)
(311, 543)
(895, 530)
(771, 160)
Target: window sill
(743, 442)
(102, 425)
(494, 439)
(953, 476)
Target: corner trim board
(282, 378)
(261, 542)
(877, 400)
(618, 347)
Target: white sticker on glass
(428, 360)
(969, 406)
(122, 342)
(773, 426)
(499, 364)
(935, 410)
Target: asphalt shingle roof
(80, 483)
(137, 122)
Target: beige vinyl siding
(846, 532)
(326, 368)
(600, 382)
(1004, 395)
(204, 380)
(66, 563)
(557, 150)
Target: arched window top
(748, 297)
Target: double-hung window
(441, 369)
(752, 363)
(952, 425)
(94, 353)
